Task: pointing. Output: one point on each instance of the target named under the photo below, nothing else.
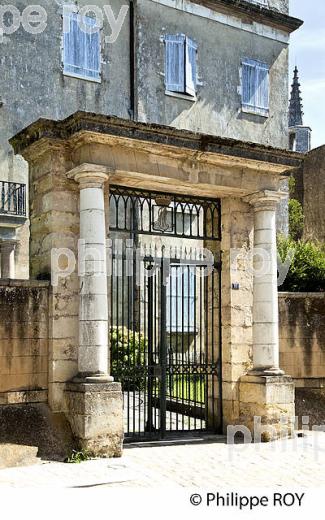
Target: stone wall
(23, 342)
(312, 178)
(302, 337)
(236, 305)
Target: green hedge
(128, 357)
(307, 269)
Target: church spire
(295, 108)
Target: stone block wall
(236, 305)
(302, 337)
(23, 342)
(310, 186)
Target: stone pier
(266, 394)
(94, 400)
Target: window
(81, 47)
(292, 141)
(255, 87)
(180, 67)
(181, 298)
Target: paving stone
(299, 462)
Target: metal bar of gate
(150, 385)
(163, 350)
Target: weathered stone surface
(310, 186)
(95, 412)
(24, 335)
(270, 400)
(302, 336)
(34, 425)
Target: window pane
(191, 52)
(181, 299)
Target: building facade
(212, 67)
(188, 145)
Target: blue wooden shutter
(174, 63)
(191, 51)
(81, 49)
(92, 49)
(248, 84)
(70, 43)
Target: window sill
(180, 96)
(257, 112)
(79, 76)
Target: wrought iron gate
(165, 311)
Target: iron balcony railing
(12, 199)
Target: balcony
(13, 211)
(13, 199)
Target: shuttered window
(180, 66)
(81, 47)
(255, 87)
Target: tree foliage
(307, 269)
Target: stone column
(8, 258)
(94, 401)
(266, 395)
(93, 304)
(265, 299)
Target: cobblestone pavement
(298, 462)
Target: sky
(307, 51)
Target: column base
(93, 378)
(266, 372)
(267, 406)
(95, 413)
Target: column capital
(265, 200)
(8, 244)
(90, 175)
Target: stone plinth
(95, 413)
(267, 406)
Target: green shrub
(296, 219)
(128, 355)
(307, 269)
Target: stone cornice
(44, 132)
(256, 12)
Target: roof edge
(258, 12)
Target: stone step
(13, 455)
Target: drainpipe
(133, 108)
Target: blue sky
(308, 52)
